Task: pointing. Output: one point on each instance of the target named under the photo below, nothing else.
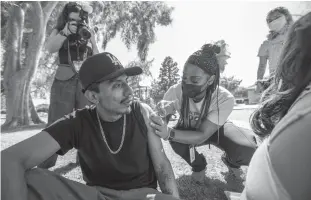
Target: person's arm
(262, 67)
(263, 54)
(289, 152)
(93, 42)
(55, 41)
(25, 155)
(162, 165)
(206, 130)
(59, 137)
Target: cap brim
(130, 71)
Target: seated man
(120, 156)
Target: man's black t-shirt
(129, 169)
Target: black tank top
(131, 168)
(78, 51)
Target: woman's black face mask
(193, 91)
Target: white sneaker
(198, 177)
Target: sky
(240, 23)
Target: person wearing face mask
(279, 21)
(74, 41)
(204, 108)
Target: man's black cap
(102, 67)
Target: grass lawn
(217, 177)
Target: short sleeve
(174, 94)
(65, 132)
(221, 107)
(170, 94)
(264, 49)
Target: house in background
(142, 92)
(252, 95)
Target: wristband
(171, 135)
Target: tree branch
(48, 8)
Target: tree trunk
(17, 79)
(33, 113)
(12, 61)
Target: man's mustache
(129, 98)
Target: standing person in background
(279, 20)
(223, 55)
(74, 41)
(204, 108)
(280, 168)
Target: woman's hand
(160, 127)
(165, 108)
(70, 27)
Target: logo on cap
(114, 60)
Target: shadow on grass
(209, 190)
(64, 169)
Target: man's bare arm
(21, 157)
(160, 161)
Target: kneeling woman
(204, 108)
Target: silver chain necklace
(103, 134)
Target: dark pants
(238, 143)
(43, 184)
(66, 96)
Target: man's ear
(91, 96)
(211, 80)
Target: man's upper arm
(154, 142)
(66, 131)
(32, 151)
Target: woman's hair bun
(210, 48)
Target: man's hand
(160, 127)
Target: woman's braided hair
(206, 59)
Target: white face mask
(277, 24)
